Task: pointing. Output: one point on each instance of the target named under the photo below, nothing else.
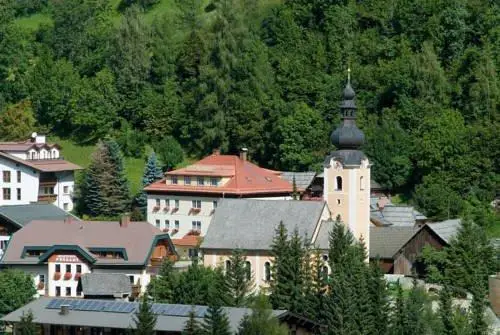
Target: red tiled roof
(44, 165)
(187, 241)
(244, 178)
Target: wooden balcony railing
(50, 198)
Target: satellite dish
(34, 134)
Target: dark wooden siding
(406, 260)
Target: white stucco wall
(64, 179)
(62, 283)
(28, 184)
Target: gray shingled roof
(446, 229)
(20, 215)
(323, 239)
(401, 215)
(302, 179)
(114, 284)
(386, 241)
(250, 224)
(166, 323)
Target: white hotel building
(184, 201)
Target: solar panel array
(125, 307)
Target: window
(6, 176)
(324, 272)
(58, 267)
(18, 192)
(18, 176)
(66, 206)
(213, 181)
(158, 202)
(174, 180)
(248, 270)
(196, 204)
(32, 155)
(338, 183)
(201, 181)
(167, 203)
(6, 193)
(167, 223)
(68, 291)
(187, 180)
(338, 201)
(157, 222)
(361, 183)
(58, 291)
(214, 203)
(196, 225)
(193, 253)
(267, 271)
(78, 290)
(66, 189)
(228, 266)
(176, 223)
(131, 278)
(68, 268)
(78, 268)
(41, 278)
(176, 203)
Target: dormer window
(174, 180)
(213, 181)
(187, 180)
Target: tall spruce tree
(379, 301)
(295, 282)
(192, 326)
(478, 322)
(414, 310)
(239, 278)
(216, 322)
(152, 172)
(105, 189)
(398, 316)
(446, 311)
(280, 270)
(144, 319)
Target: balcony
(48, 198)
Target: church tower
(347, 172)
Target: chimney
(64, 309)
(68, 219)
(37, 138)
(124, 220)
(216, 151)
(243, 154)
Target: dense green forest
(268, 75)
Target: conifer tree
(280, 270)
(414, 310)
(379, 301)
(478, 323)
(161, 288)
(239, 278)
(152, 172)
(216, 322)
(192, 326)
(295, 193)
(26, 325)
(398, 317)
(261, 321)
(446, 313)
(295, 282)
(144, 319)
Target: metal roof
(447, 230)
(108, 284)
(250, 224)
(385, 242)
(21, 215)
(112, 314)
(302, 179)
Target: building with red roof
(184, 201)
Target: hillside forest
(268, 75)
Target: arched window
(361, 183)
(228, 266)
(324, 273)
(248, 270)
(267, 271)
(339, 183)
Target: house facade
(58, 252)
(250, 224)
(33, 171)
(185, 200)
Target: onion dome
(348, 135)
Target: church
(249, 224)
